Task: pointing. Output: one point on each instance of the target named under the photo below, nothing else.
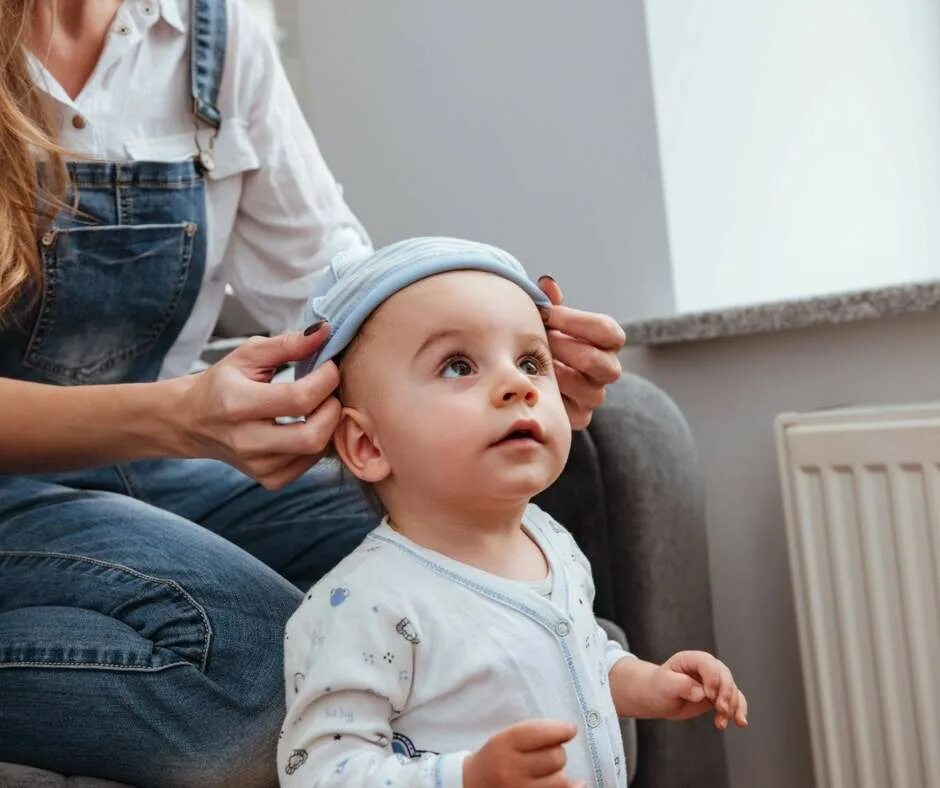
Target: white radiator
(861, 491)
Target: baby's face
(456, 377)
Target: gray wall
(730, 390)
(529, 124)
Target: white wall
(800, 145)
(528, 124)
(730, 390)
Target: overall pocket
(108, 294)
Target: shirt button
(48, 238)
(562, 628)
(191, 229)
(147, 9)
(78, 122)
(593, 719)
(122, 30)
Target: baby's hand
(529, 753)
(690, 683)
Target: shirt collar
(42, 79)
(173, 12)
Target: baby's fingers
(727, 691)
(718, 683)
(740, 716)
(737, 712)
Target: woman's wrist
(162, 425)
(58, 428)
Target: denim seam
(47, 299)
(125, 473)
(206, 626)
(118, 190)
(93, 185)
(93, 665)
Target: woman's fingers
(593, 328)
(596, 329)
(273, 471)
(551, 288)
(309, 437)
(252, 401)
(288, 473)
(258, 356)
(598, 366)
(584, 346)
(575, 386)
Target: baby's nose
(508, 393)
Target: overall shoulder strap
(207, 58)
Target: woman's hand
(584, 346)
(232, 406)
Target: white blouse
(401, 660)
(276, 215)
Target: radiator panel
(861, 493)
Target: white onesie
(401, 661)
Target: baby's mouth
(522, 431)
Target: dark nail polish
(312, 328)
(548, 276)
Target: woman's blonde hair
(27, 202)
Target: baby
(456, 646)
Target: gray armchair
(632, 496)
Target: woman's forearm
(55, 428)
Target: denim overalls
(142, 606)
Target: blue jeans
(142, 610)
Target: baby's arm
(349, 663)
(688, 684)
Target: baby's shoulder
(371, 583)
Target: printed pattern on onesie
(349, 662)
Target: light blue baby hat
(351, 290)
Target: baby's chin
(520, 486)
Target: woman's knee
(168, 637)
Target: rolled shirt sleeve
(292, 220)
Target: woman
(155, 527)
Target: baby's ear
(358, 447)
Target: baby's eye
(532, 365)
(456, 367)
